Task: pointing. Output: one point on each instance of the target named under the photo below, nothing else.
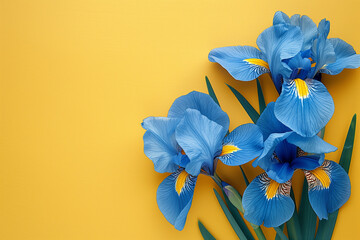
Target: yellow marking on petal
(180, 181)
(258, 62)
(272, 189)
(310, 59)
(313, 64)
(227, 149)
(320, 174)
(182, 152)
(302, 88)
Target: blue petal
(311, 144)
(322, 50)
(174, 197)
(324, 28)
(346, 57)
(327, 194)
(299, 62)
(242, 62)
(160, 144)
(307, 27)
(201, 102)
(201, 139)
(304, 106)
(270, 144)
(269, 124)
(260, 207)
(308, 162)
(280, 172)
(281, 18)
(277, 43)
(242, 145)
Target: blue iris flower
(189, 141)
(294, 51)
(304, 104)
(267, 198)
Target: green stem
(280, 233)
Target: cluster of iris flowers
(195, 134)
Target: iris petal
(174, 197)
(201, 139)
(307, 27)
(281, 18)
(265, 159)
(244, 144)
(277, 43)
(322, 50)
(160, 144)
(266, 201)
(308, 162)
(304, 106)
(346, 57)
(242, 62)
(201, 102)
(311, 144)
(329, 188)
(269, 124)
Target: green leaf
(204, 232)
(230, 217)
(262, 104)
(277, 237)
(293, 225)
(326, 227)
(280, 233)
(245, 178)
(211, 91)
(307, 216)
(253, 114)
(346, 154)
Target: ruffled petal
(201, 102)
(329, 188)
(266, 201)
(304, 106)
(307, 27)
(242, 62)
(346, 57)
(309, 162)
(243, 144)
(277, 43)
(269, 124)
(160, 144)
(281, 18)
(201, 140)
(270, 144)
(280, 172)
(322, 50)
(174, 197)
(311, 144)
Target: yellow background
(78, 76)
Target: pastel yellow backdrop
(78, 76)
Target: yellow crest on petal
(180, 181)
(322, 176)
(302, 88)
(227, 149)
(272, 189)
(257, 61)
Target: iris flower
(267, 198)
(294, 51)
(187, 143)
